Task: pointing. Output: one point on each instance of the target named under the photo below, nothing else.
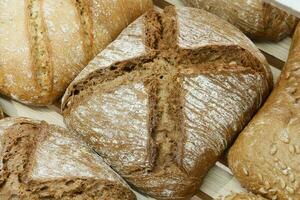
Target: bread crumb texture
(41, 161)
(164, 100)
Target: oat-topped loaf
(45, 43)
(164, 100)
(266, 156)
(241, 196)
(41, 161)
(258, 20)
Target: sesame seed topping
(292, 177)
(274, 197)
(267, 185)
(273, 149)
(282, 183)
(292, 149)
(297, 148)
(284, 137)
(263, 191)
(245, 171)
(290, 190)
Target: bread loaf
(41, 161)
(45, 44)
(164, 100)
(266, 156)
(242, 196)
(258, 20)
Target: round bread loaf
(41, 161)
(45, 44)
(164, 100)
(241, 196)
(266, 156)
(258, 20)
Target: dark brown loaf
(265, 157)
(46, 43)
(258, 20)
(166, 98)
(242, 196)
(41, 161)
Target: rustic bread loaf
(164, 100)
(266, 156)
(41, 161)
(258, 20)
(45, 44)
(242, 196)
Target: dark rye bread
(241, 196)
(164, 100)
(45, 44)
(41, 161)
(258, 20)
(266, 156)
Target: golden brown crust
(45, 161)
(241, 196)
(164, 100)
(258, 20)
(42, 53)
(265, 157)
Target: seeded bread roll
(41, 161)
(166, 98)
(45, 44)
(242, 196)
(258, 20)
(266, 156)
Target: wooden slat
(279, 50)
(14, 109)
(161, 4)
(272, 60)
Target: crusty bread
(45, 44)
(166, 98)
(266, 156)
(258, 20)
(241, 196)
(41, 161)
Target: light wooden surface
(219, 180)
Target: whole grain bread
(258, 20)
(265, 158)
(41, 161)
(45, 44)
(241, 196)
(164, 100)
